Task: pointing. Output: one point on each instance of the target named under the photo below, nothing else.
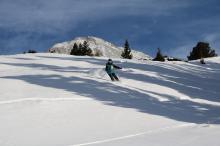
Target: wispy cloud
(182, 51)
(50, 15)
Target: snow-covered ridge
(107, 49)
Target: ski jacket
(110, 68)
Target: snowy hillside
(62, 100)
(96, 44)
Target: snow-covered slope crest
(97, 45)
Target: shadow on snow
(183, 81)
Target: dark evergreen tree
(89, 52)
(31, 51)
(127, 51)
(86, 50)
(75, 50)
(159, 56)
(80, 48)
(201, 50)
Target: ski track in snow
(42, 99)
(135, 135)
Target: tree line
(200, 51)
(83, 49)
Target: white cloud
(183, 51)
(214, 41)
(212, 37)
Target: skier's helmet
(110, 61)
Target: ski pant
(113, 76)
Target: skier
(110, 69)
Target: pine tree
(80, 52)
(86, 50)
(32, 51)
(201, 50)
(159, 56)
(127, 51)
(75, 49)
(89, 52)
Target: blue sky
(173, 25)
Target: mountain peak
(106, 49)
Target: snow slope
(62, 100)
(97, 45)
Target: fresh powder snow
(51, 99)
